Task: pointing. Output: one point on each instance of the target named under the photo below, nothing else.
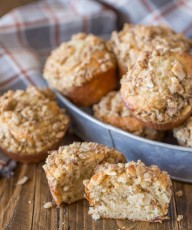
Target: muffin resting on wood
(158, 88)
(83, 69)
(129, 191)
(67, 168)
(111, 110)
(31, 123)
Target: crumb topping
(112, 110)
(158, 88)
(63, 161)
(30, 121)
(128, 43)
(78, 61)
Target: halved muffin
(158, 89)
(83, 69)
(111, 110)
(132, 39)
(67, 167)
(129, 191)
(31, 123)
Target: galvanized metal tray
(174, 159)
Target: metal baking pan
(174, 159)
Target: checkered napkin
(176, 14)
(29, 33)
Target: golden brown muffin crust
(78, 61)
(158, 88)
(67, 167)
(30, 123)
(112, 110)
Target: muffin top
(30, 121)
(112, 110)
(133, 173)
(183, 133)
(159, 86)
(111, 105)
(132, 39)
(66, 158)
(78, 61)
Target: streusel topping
(78, 61)
(159, 86)
(128, 43)
(111, 110)
(62, 161)
(30, 121)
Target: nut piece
(179, 193)
(48, 205)
(22, 180)
(179, 217)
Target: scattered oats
(22, 180)
(48, 205)
(29, 201)
(179, 217)
(179, 193)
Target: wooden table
(21, 207)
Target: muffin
(83, 69)
(31, 123)
(183, 133)
(67, 168)
(129, 191)
(111, 110)
(158, 89)
(132, 39)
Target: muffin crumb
(179, 218)
(22, 180)
(179, 193)
(48, 205)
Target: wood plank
(17, 211)
(8, 5)
(184, 204)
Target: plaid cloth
(29, 33)
(176, 14)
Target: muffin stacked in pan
(83, 69)
(156, 86)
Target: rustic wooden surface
(21, 207)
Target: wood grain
(21, 207)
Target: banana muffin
(111, 110)
(31, 123)
(132, 39)
(158, 89)
(83, 69)
(129, 191)
(183, 133)
(67, 168)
